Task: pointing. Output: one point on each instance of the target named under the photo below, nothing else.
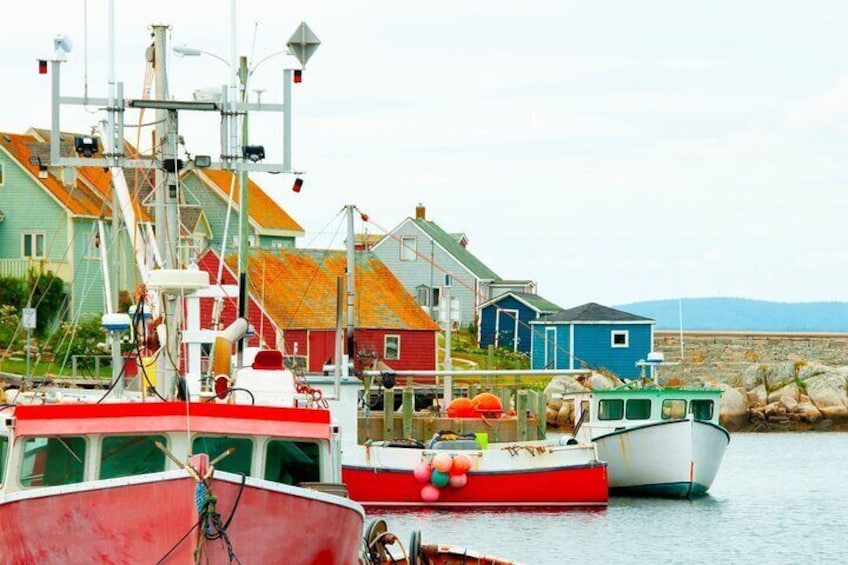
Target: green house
(49, 218)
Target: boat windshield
(701, 409)
(292, 462)
(237, 462)
(124, 456)
(4, 455)
(52, 461)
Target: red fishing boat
(173, 482)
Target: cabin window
(611, 409)
(53, 461)
(4, 454)
(701, 409)
(408, 248)
(391, 348)
(584, 411)
(638, 409)
(673, 409)
(124, 456)
(620, 338)
(33, 245)
(292, 462)
(237, 462)
(295, 362)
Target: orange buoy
(487, 404)
(461, 407)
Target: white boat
(657, 441)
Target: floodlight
(253, 153)
(86, 145)
(202, 161)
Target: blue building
(592, 336)
(505, 319)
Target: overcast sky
(610, 151)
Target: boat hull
(553, 476)
(675, 458)
(152, 518)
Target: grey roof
(534, 300)
(593, 312)
(453, 247)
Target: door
(506, 328)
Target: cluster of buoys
(442, 470)
(484, 404)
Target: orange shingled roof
(298, 290)
(262, 208)
(89, 196)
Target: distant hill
(739, 314)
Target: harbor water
(778, 498)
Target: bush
(48, 296)
(9, 320)
(81, 340)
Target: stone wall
(724, 356)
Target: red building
(292, 307)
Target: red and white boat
(523, 473)
(87, 483)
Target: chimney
(420, 212)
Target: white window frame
(34, 244)
(625, 333)
(386, 339)
(408, 252)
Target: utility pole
(351, 281)
(446, 299)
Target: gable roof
(453, 247)
(262, 209)
(592, 312)
(533, 301)
(298, 290)
(81, 198)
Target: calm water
(778, 498)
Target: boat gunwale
(637, 427)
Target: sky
(612, 151)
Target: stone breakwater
(771, 381)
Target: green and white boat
(657, 441)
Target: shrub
(81, 339)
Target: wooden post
(408, 400)
(541, 416)
(490, 353)
(521, 409)
(388, 414)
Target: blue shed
(592, 336)
(509, 315)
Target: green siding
(28, 208)
(87, 291)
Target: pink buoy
(429, 493)
(439, 479)
(422, 472)
(458, 481)
(442, 462)
(461, 463)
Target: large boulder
(600, 381)
(733, 412)
(754, 376)
(828, 394)
(562, 384)
(791, 391)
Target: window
(408, 248)
(612, 409)
(673, 409)
(423, 295)
(620, 338)
(213, 446)
(124, 456)
(391, 348)
(701, 409)
(2, 175)
(52, 461)
(292, 462)
(4, 454)
(638, 409)
(33, 245)
(584, 411)
(437, 296)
